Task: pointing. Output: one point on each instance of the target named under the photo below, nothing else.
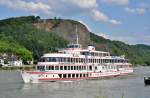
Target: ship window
(87, 75)
(73, 75)
(92, 53)
(41, 68)
(76, 60)
(90, 67)
(53, 59)
(77, 67)
(47, 67)
(59, 59)
(69, 75)
(71, 60)
(56, 67)
(62, 59)
(107, 60)
(84, 67)
(46, 59)
(65, 67)
(64, 75)
(68, 67)
(61, 67)
(77, 75)
(38, 67)
(80, 75)
(52, 67)
(117, 61)
(65, 59)
(95, 68)
(79, 60)
(110, 60)
(104, 60)
(71, 67)
(50, 60)
(60, 75)
(99, 61)
(82, 60)
(83, 75)
(84, 53)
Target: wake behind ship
(76, 63)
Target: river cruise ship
(76, 63)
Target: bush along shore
(21, 68)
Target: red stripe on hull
(72, 79)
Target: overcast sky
(124, 20)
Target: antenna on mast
(77, 35)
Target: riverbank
(24, 67)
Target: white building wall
(1, 61)
(16, 63)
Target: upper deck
(76, 49)
(75, 54)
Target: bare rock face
(68, 29)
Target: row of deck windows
(63, 68)
(73, 75)
(81, 60)
(42, 68)
(94, 54)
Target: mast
(77, 40)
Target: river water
(129, 86)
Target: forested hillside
(35, 40)
(137, 54)
(31, 36)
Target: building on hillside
(1, 62)
(10, 60)
(31, 62)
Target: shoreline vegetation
(20, 68)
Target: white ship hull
(37, 77)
